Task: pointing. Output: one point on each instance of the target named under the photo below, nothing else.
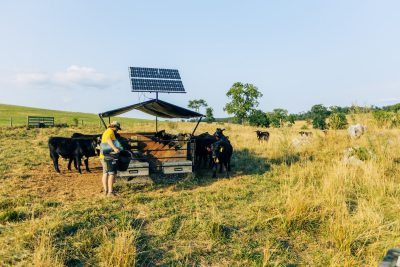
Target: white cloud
(74, 76)
(389, 99)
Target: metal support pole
(101, 119)
(156, 116)
(195, 128)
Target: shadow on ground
(244, 162)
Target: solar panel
(156, 80)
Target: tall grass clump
(118, 249)
(44, 254)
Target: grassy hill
(290, 202)
(19, 116)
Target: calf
(96, 137)
(72, 149)
(262, 136)
(202, 153)
(223, 158)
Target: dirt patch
(67, 185)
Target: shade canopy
(156, 108)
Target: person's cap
(116, 124)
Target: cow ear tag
(221, 149)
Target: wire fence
(20, 121)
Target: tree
(319, 114)
(259, 118)
(196, 104)
(337, 121)
(337, 109)
(243, 99)
(386, 118)
(209, 114)
(278, 117)
(291, 119)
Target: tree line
(243, 105)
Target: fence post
(82, 122)
(11, 122)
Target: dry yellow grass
(285, 203)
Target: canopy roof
(157, 108)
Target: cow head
(96, 145)
(219, 132)
(159, 134)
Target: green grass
(19, 116)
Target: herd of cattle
(75, 148)
(81, 146)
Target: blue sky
(74, 55)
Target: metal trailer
(156, 156)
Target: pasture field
(19, 115)
(285, 204)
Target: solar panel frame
(157, 85)
(155, 80)
(136, 72)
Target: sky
(74, 55)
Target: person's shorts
(109, 166)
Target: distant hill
(19, 116)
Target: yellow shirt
(109, 133)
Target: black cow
(79, 135)
(173, 141)
(202, 153)
(72, 149)
(96, 137)
(163, 137)
(223, 154)
(262, 136)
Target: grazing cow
(305, 134)
(163, 137)
(262, 136)
(355, 131)
(222, 150)
(173, 141)
(72, 149)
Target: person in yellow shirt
(109, 165)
